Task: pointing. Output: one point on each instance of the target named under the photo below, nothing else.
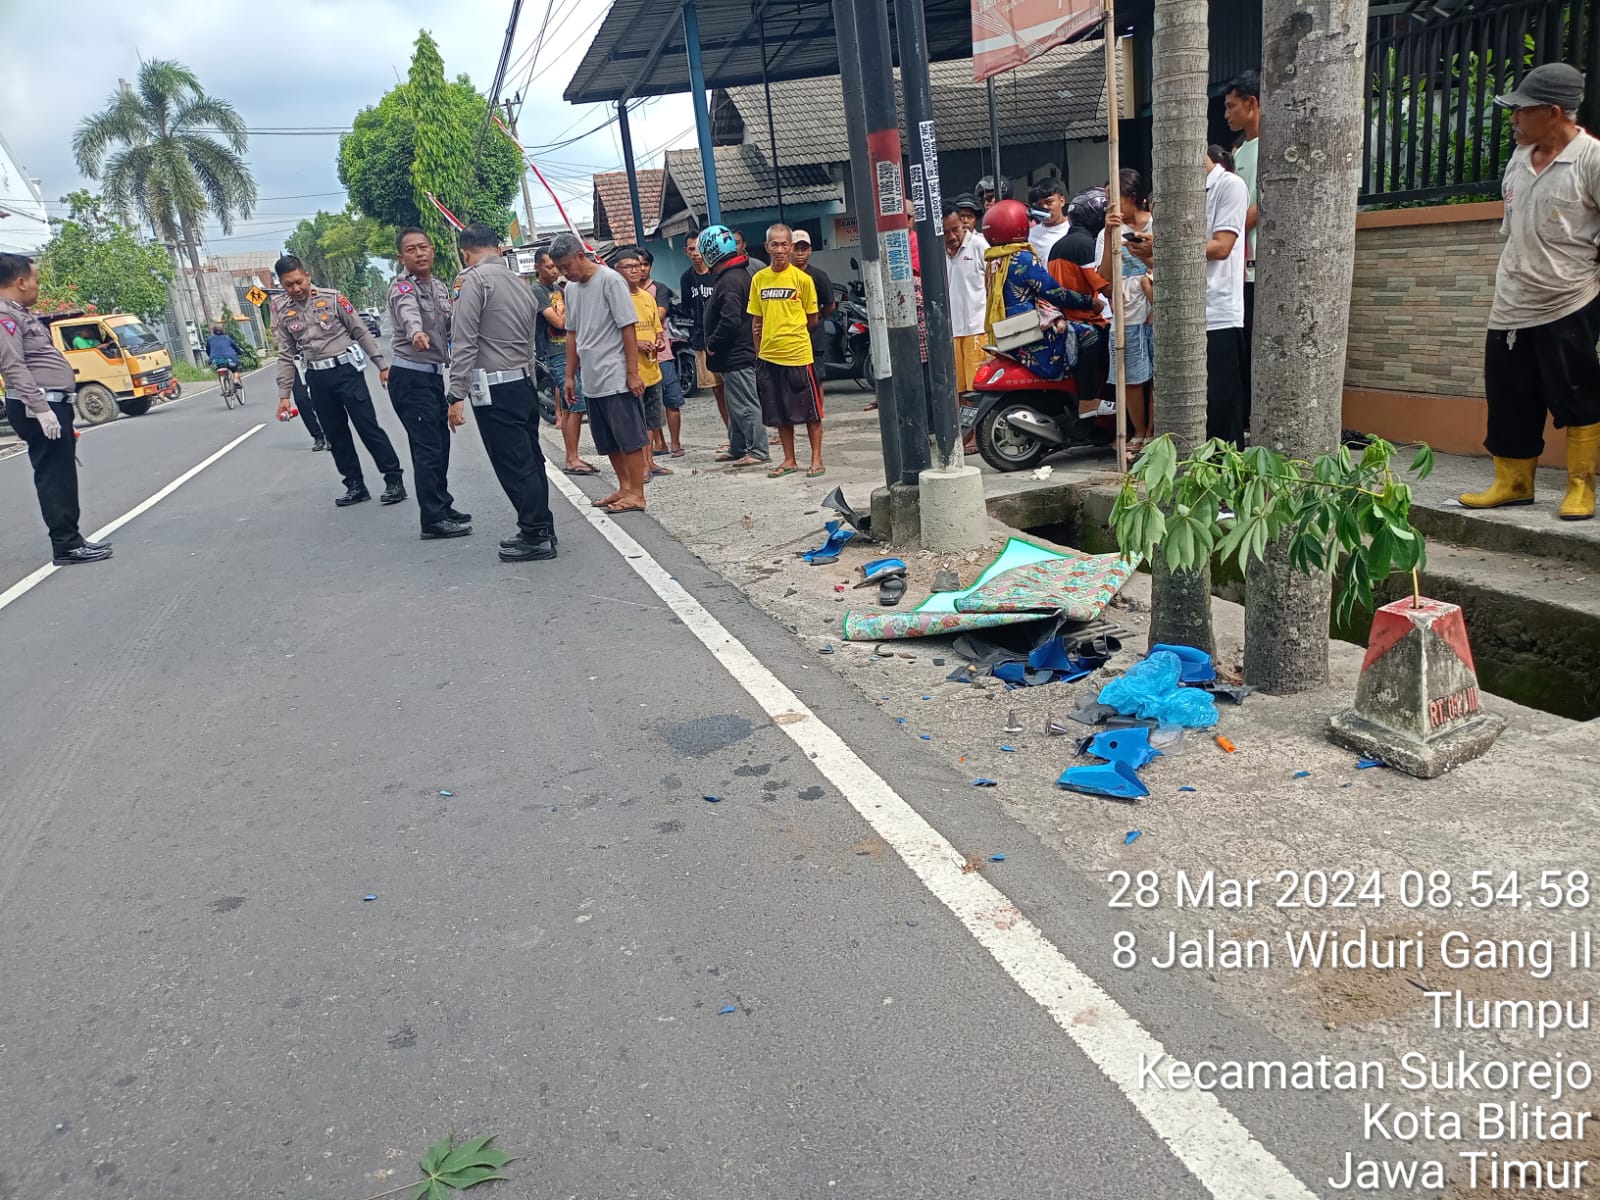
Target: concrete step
(1528, 530)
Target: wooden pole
(1114, 201)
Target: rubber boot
(1513, 484)
(1583, 449)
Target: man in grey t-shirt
(602, 341)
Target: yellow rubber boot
(1513, 484)
(1583, 449)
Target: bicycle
(231, 392)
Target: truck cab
(117, 361)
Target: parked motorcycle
(682, 353)
(544, 389)
(1014, 419)
(846, 345)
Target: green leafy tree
(94, 261)
(172, 155)
(421, 137)
(335, 248)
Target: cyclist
(223, 351)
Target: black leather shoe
(460, 518)
(319, 444)
(354, 495)
(516, 539)
(446, 529)
(89, 554)
(393, 494)
(97, 545)
(525, 551)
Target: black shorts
(789, 395)
(617, 423)
(1550, 368)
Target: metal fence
(1433, 131)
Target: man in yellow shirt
(652, 334)
(783, 303)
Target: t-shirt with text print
(783, 299)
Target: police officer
(39, 390)
(322, 325)
(491, 358)
(419, 316)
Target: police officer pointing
(39, 389)
(491, 359)
(419, 314)
(322, 325)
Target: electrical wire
(499, 79)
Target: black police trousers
(418, 398)
(342, 400)
(55, 472)
(308, 410)
(509, 426)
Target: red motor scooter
(1013, 418)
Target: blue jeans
(671, 388)
(556, 364)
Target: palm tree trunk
(1181, 608)
(1314, 54)
(192, 245)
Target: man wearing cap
(825, 301)
(1539, 356)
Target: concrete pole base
(954, 516)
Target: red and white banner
(539, 175)
(1008, 33)
(454, 221)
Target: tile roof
(613, 211)
(1061, 94)
(744, 180)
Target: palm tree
(171, 154)
(1181, 600)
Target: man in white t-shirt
(1227, 205)
(964, 270)
(1539, 356)
(1241, 106)
(1049, 196)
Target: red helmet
(1006, 222)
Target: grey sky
(298, 65)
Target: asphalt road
(216, 745)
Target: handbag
(1015, 333)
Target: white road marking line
(23, 586)
(1204, 1136)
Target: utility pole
(527, 193)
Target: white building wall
(24, 226)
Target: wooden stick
(1114, 201)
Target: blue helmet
(716, 245)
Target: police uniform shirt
(493, 324)
(420, 306)
(30, 364)
(324, 325)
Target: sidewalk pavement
(1530, 805)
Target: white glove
(49, 422)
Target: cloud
(287, 65)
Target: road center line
(1206, 1138)
(25, 585)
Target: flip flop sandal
(661, 471)
(679, 452)
(618, 509)
(585, 469)
(816, 472)
(724, 456)
(600, 503)
(890, 591)
(659, 453)
(780, 472)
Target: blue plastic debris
(444, 792)
(997, 858)
(880, 569)
(927, 737)
(1151, 688)
(369, 896)
(899, 720)
(1117, 780)
(1187, 788)
(1009, 749)
(1131, 746)
(1196, 664)
(829, 550)
(726, 1009)
(713, 799)
(1366, 764)
(985, 783)
(1302, 774)
(1132, 838)
(927, 697)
